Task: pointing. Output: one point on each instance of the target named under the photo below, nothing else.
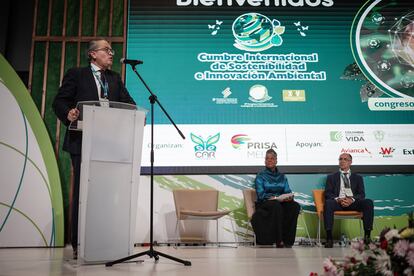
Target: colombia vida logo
(386, 152)
(238, 140)
(350, 136)
(205, 149)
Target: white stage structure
(111, 164)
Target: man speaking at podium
(95, 82)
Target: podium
(110, 169)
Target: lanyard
(346, 181)
(104, 86)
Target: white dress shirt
(345, 192)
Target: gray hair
(92, 46)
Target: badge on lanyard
(103, 83)
(104, 102)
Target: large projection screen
(309, 78)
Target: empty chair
(197, 205)
(249, 196)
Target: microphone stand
(151, 252)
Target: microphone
(132, 62)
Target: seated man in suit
(345, 192)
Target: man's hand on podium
(73, 114)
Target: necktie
(346, 181)
(104, 84)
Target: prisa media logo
(205, 149)
(238, 140)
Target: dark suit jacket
(333, 186)
(79, 84)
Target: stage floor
(206, 261)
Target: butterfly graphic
(215, 27)
(207, 145)
(301, 29)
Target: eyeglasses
(345, 159)
(110, 51)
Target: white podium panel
(107, 217)
(112, 135)
(111, 156)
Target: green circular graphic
(256, 32)
(382, 39)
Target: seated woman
(276, 213)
